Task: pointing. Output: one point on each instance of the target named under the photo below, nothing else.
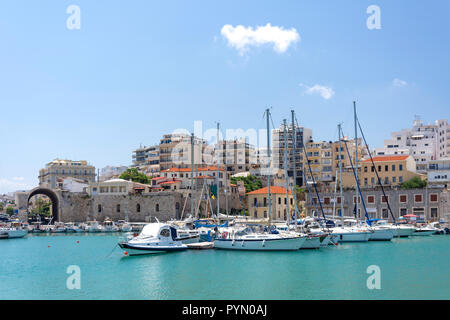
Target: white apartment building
(425, 142)
(439, 172)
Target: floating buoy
(78, 241)
(48, 246)
(126, 253)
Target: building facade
(424, 142)
(58, 168)
(429, 204)
(258, 203)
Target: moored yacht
(93, 226)
(154, 238)
(247, 239)
(109, 226)
(424, 231)
(16, 230)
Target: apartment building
(424, 142)
(303, 136)
(236, 155)
(258, 203)
(438, 172)
(59, 168)
(392, 170)
(146, 159)
(110, 172)
(199, 173)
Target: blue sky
(138, 69)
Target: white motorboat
(16, 230)
(109, 226)
(247, 239)
(71, 227)
(424, 231)
(437, 227)
(124, 226)
(154, 238)
(93, 226)
(59, 227)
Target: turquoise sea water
(35, 268)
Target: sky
(135, 70)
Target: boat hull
(421, 233)
(311, 243)
(353, 237)
(283, 244)
(381, 235)
(135, 250)
(11, 234)
(404, 232)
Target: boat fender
(264, 243)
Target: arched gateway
(53, 198)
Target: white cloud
(326, 92)
(11, 185)
(399, 83)
(242, 38)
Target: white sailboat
(247, 239)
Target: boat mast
(192, 173)
(356, 164)
(286, 172)
(340, 171)
(217, 170)
(294, 159)
(268, 164)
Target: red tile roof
(387, 158)
(273, 190)
(170, 182)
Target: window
(354, 199)
(393, 167)
(386, 168)
(400, 167)
(400, 179)
(433, 197)
(118, 208)
(138, 208)
(370, 199)
(394, 179)
(403, 211)
(403, 198)
(326, 200)
(255, 214)
(418, 198)
(99, 208)
(384, 199)
(379, 168)
(265, 202)
(165, 233)
(292, 201)
(433, 212)
(255, 202)
(365, 181)
(279, 200)
(265, 214)
(384, 213)
(365, 169)
(338, 199)
(157, 207)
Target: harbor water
(36, 266)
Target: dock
(201, 245)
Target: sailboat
(271, 240)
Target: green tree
(251, 183)
(1, 206)
(414, 183)
(10, 211)
(134, 175)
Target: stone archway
(53, 198)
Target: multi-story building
(208, 172)
(236, 155)
(146, 159)
(175, 151)
(439, 172)
(392, 170)
(258, 203)
(429, 204)
(58, 168)
(303, 136)
(425, 142)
